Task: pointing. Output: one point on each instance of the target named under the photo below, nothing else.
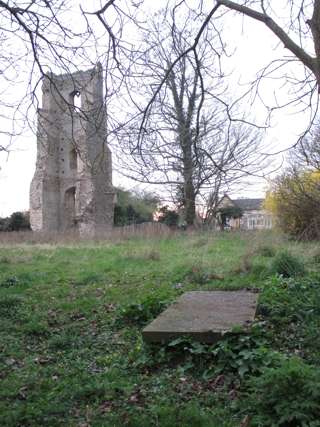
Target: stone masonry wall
(72, 185)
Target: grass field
(71, 316)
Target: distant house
(245, 214)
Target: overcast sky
(255, 47)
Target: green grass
(71, 316)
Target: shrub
(287, 265)
(285, 396)
(295, 201)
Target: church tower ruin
(72, 185)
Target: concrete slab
(204, 315)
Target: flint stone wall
(72, 185)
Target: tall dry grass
(147, 230)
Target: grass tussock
(287, 265)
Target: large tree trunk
(184, 118)
(190, 206)
(189, 191)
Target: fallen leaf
(43, 360)
(106, 406)
(245, 422)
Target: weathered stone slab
(204, 315)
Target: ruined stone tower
(72, 184)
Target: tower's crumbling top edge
(80, 74)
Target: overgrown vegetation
(288, 395)
(71, 347)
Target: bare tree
(303, 24)
(38, 38)
(187, 143)
(295, 25)
(41, 34)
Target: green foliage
(168, 216)
(245, 354)
(10, 305)
(226, 213)
(288, 395)
(230, 212)
(291, 309)
(287, 265)
(18, 221)
(141, 312)
(291, 300)
(237, 354)
(4, 222)
(134, 207)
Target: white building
(245, 214)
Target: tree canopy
(134, 207)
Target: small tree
(168, 216)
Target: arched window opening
(75, 99)
(73, 159)
(70, 208)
